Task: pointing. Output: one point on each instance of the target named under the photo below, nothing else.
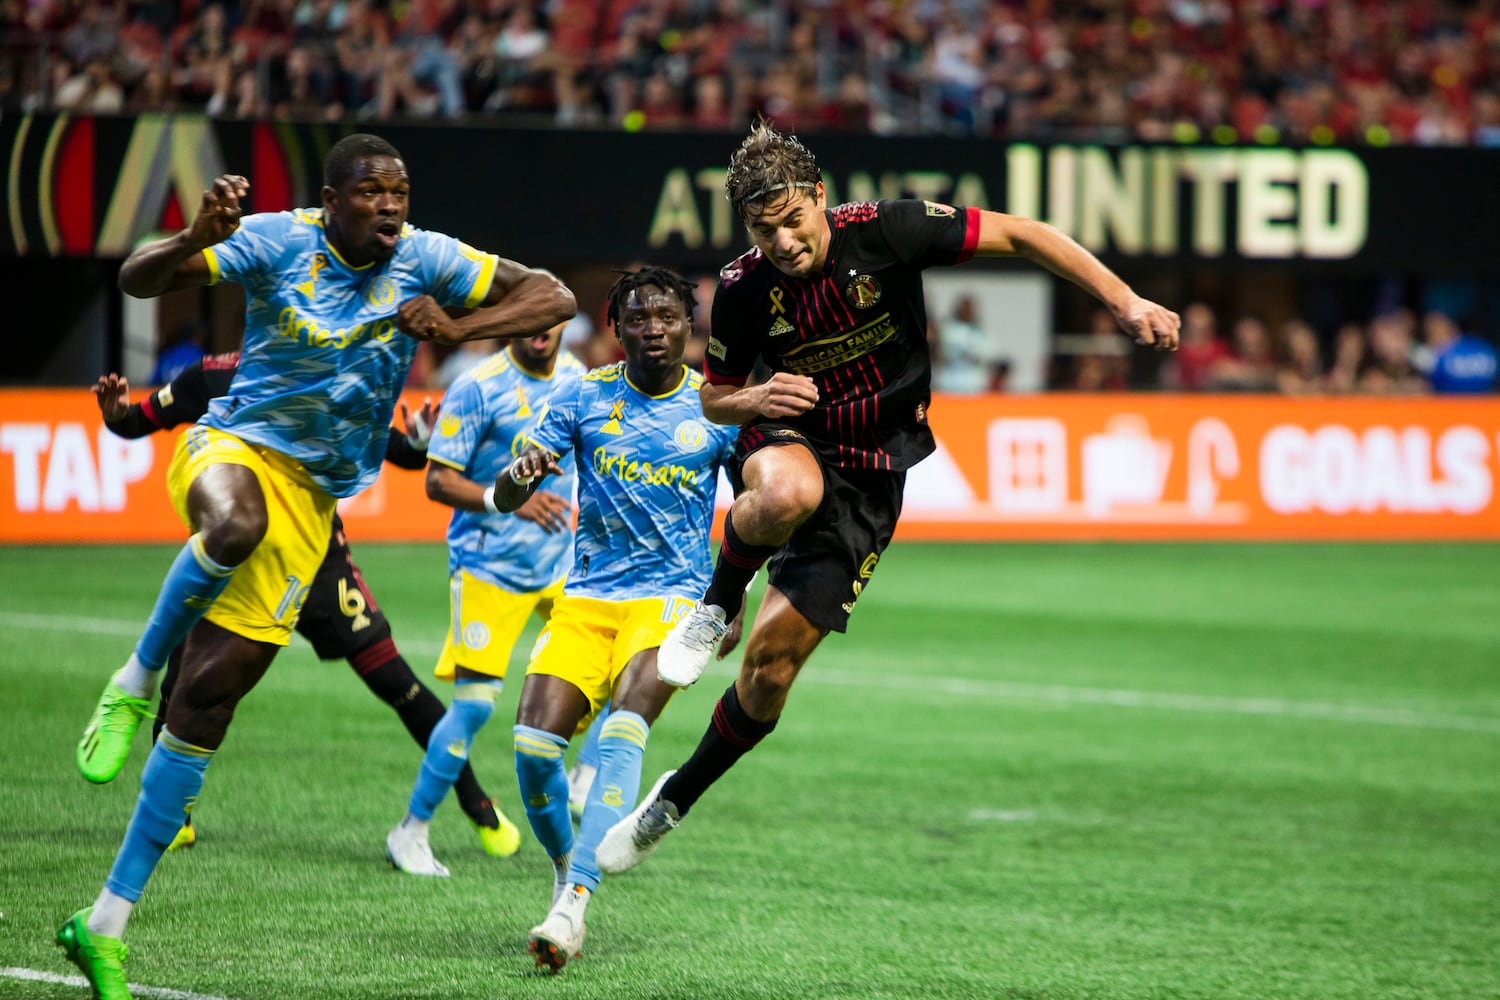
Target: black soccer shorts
(828, 563)
(340, 617)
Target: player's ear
(820, 195)
(330, 197)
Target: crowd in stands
(1298, 71)
(1398, 353)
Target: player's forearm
(451, 488)
(731, 405)
(132, 424)
(149, 271)
(1059, 253)
(402, 454)
(533, 305)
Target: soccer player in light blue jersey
(648, 466)
(502, 568)
(337, 298)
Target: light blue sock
(192, 584)
(169, 788)
(588, 754)
(622, 744)
(448, 746)
(544, 788)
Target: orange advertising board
(1047, 467)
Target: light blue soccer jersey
(479, 432)
(323, 361)
(648, 469)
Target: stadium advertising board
(1051, 467)
(82, 186)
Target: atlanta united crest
(863, 291)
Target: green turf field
(1029, 772)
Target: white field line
(927, 684)
(1003, 815)
(37, 976)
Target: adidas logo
(781, 326)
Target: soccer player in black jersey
(340, 618)
(832, 301)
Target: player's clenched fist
(787, 395)
(424, 319)
(1150, 323)
(219, 211)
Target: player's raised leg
(783, 487)
(233, 523)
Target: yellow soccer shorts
(485, 622)
(265, 594)
(588, 642)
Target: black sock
(168, 682)
(388, 676)
(736, 567)
(730, 736)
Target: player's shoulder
(855, 213)
(491, 368)
(745, 274)
(605, 375)
(569, 366)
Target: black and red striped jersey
(858, 328)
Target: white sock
(560, 868)
(136, 680)
(413, 825)
(109, 915)
(576, 898)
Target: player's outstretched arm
(1003, 235)
(514, 486)
(177, 261)
(522, 301)
(782, 395)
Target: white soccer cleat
(693, 641)
(559, 939)
(631, 841)
(407, 850)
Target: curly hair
(664, 278)
(766, 162)
(338, 168)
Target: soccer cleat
(102, 959)
(500, 841)
(693, 641)
(580, 780)
(186, 837)
(106, 741)
(631, 841)
(559, 938)
(407, 850)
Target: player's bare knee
(230, 540)
(790, 501)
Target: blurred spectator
(1200, 349)
(1349, 351)
(1301, 370)
(93, 90)
(1392, 369)
(1251, 363)
(1454, 361)
(962, 354)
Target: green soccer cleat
(501, 841)
(106, 741)
(101, 958)
(187, 836)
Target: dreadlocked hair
(338, 168)
(664, 278)
(767, 162)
